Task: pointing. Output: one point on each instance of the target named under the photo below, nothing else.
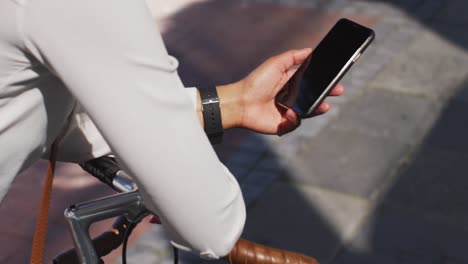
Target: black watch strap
(211, 114)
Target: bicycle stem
(80, 217)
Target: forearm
(231, 105)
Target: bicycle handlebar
(107, 170)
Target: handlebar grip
(103, 168)
(103, 244)
(247, 252)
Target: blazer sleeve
(111, 57)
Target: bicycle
(129, 209)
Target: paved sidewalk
(384, 180)
(379, 179)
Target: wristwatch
(211, 114)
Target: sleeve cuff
(192, 93)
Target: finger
(155, 220)
(323, 108)
(292, 116)
(320, 110)
(337, 90)
(290, 122)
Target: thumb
(301, 55)
(292, 58)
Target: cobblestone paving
(395, 95)
(260, 159)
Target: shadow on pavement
(418, 213)
(418, 217)
(221, 42)
(421, 214)
(445, 17)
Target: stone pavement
(383, 181)
(378, 179)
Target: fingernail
(305, 51)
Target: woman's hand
(250, 103)
(259, 111)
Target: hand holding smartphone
(325, 67)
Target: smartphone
(325, 67)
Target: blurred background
(381, 178)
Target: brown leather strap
(247, 252)
(43, 215)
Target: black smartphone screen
(328, 59)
